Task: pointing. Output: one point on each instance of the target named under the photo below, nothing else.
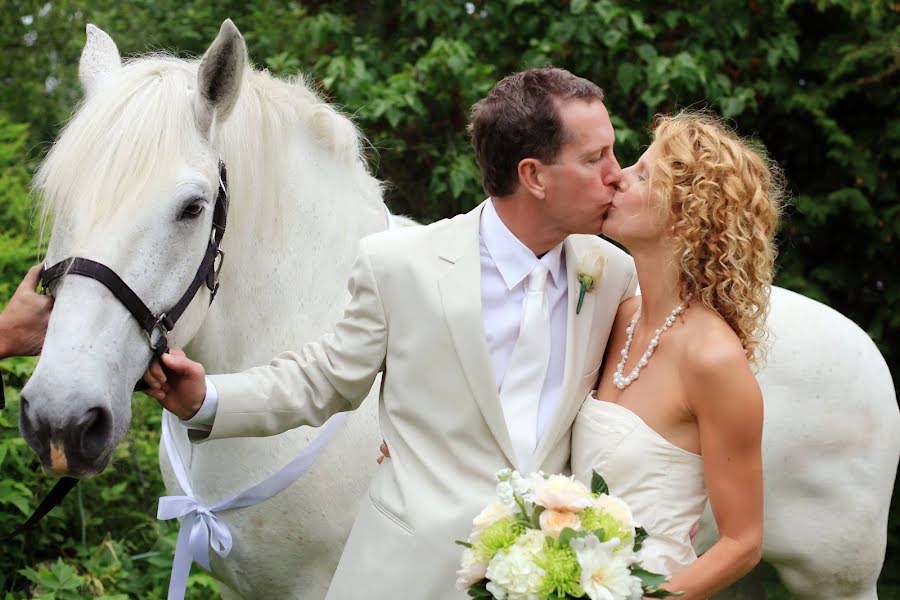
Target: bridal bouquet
(547, 537)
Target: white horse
(831, 443)
(125, 180)
(131, 181)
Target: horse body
(831, 441)
(301, 198)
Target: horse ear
(99, 59)
(219, 75)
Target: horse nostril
(31, 430)
(96, 430)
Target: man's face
(581, 181)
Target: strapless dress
(662, 483)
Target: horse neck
(289, 246)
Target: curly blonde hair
(723, 197)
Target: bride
(677, 417)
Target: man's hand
(23, 323)
(181, 387)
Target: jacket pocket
(390, 516)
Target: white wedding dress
(662, 483)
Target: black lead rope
(62, 487)
(150, 323)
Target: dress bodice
(662, 483)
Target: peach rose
(553, 522)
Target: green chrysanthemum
(563, 574)
(496, 537)
(593, 519)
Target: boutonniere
(590, 270)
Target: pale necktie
(520, 392)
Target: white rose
(592, 265)
(561, 493)
(491, 513)
(616, 508)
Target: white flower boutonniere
(589, 272)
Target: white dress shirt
(505, 265)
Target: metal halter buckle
(158, 325)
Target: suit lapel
(460, 289)
(578, 330)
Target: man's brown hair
(520, 119)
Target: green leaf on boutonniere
(598, 484)
(462, 543)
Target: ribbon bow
(201, 529)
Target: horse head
(131, 183)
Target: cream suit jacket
(415, 314)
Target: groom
(486, 349)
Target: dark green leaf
(598, 484)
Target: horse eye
(192, 211)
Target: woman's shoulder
(714, 364)
(708, 341)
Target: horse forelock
(140, 127)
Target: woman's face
(634, 216)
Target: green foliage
(816, 81)
(104, 540)
(18, 250)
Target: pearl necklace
(623, 382)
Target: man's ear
(532, 176)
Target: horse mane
(141, 126)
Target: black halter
(164, 322)
(150, 323)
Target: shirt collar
(513, 258)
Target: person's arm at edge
(23, 323)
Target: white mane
(141, 125)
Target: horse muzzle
(75, 442)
